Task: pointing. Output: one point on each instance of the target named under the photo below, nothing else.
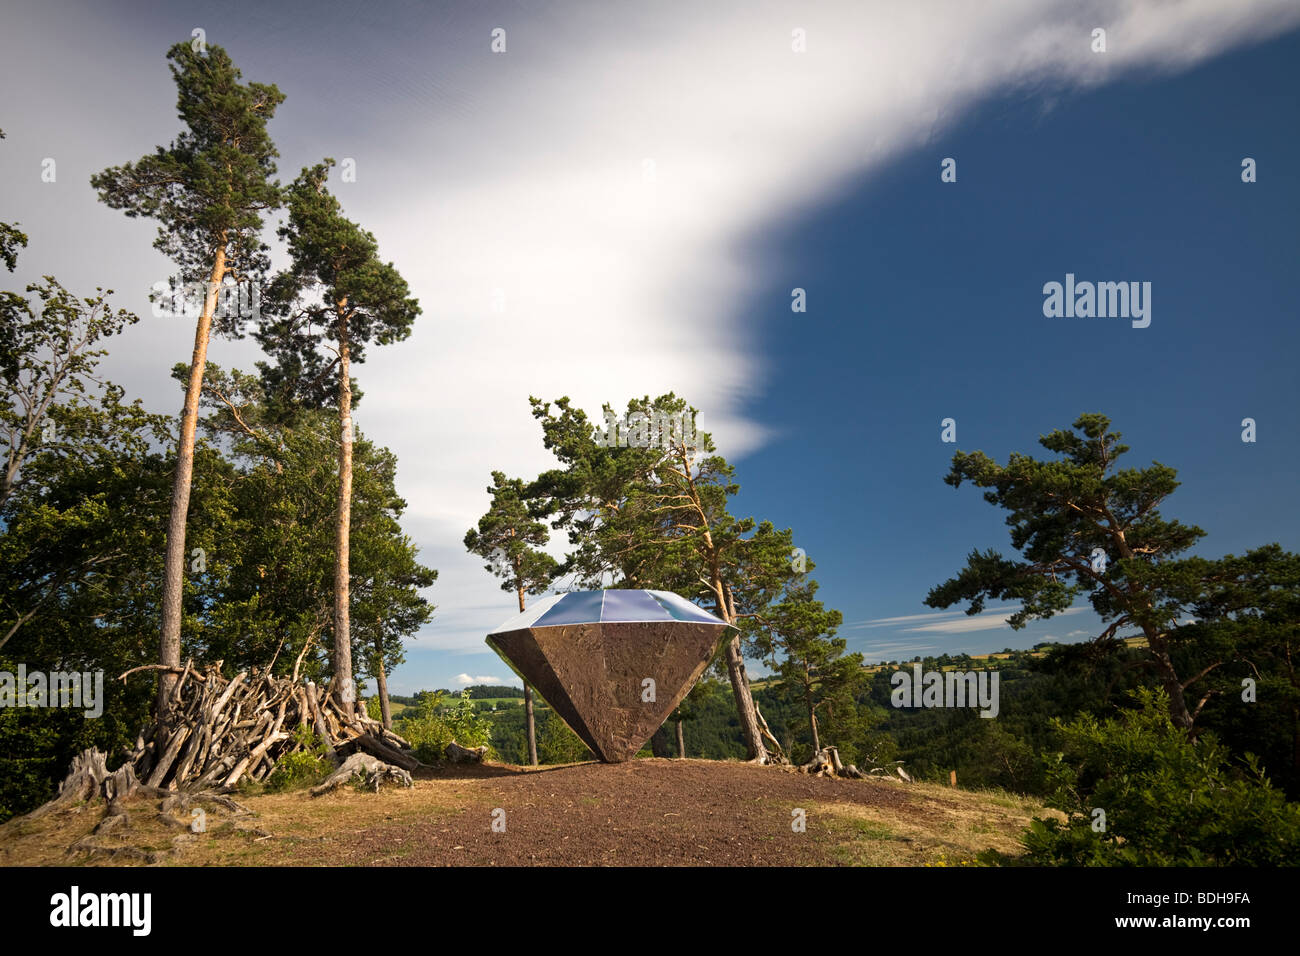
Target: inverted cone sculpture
(613, 664)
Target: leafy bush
(304, 767)
(429, 731)
(1167, 800)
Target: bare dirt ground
(648, 812)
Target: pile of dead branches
(215, 732)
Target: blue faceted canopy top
(612, 606)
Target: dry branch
(214, 732)
(374, 770)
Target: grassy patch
(937, 826)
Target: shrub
(1168, 800)
(429, 731)
(304, 767)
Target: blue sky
(621, 203)
(925, 302)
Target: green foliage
(37, 745)
(304, 767)
(1068, 513)
(656, 516)
(81, 543)
(469, 726)
(494, 691)
(556, 743)
(78, 530)
(272, 550)
(336, 288)
(509, 537)
(209, 189)
(11, 240)
(434, 725)
(813, 671)
(1168, 800)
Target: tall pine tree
(338, 296)
(208, 191)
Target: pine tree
(508, 537)
(337, 291)
(651, 512)
(208, 191)
(1086, 527)
(810, 664)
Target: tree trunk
(745, 708)
(812, 722)
(532, 726)
(529, 723)
(169, 644)
(681, 741)
(344, 690)
(381, 679)
(1172, 685)
(744, 702)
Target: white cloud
(465, 680)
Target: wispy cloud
(952, 622)
(987, 621)
(907, 619)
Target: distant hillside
(476, 692)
